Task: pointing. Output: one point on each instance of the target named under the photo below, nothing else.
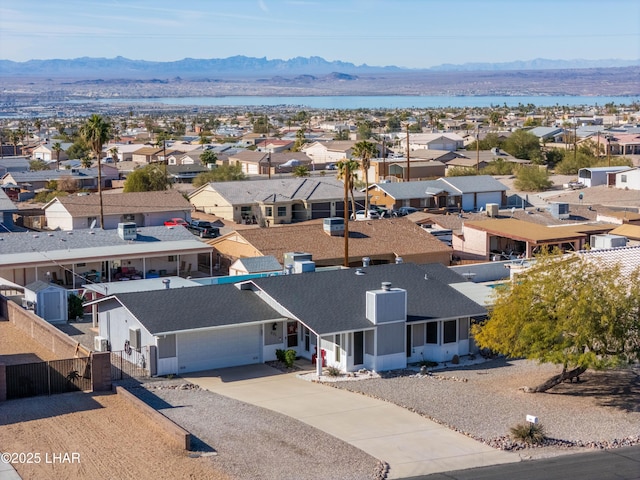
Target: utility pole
(384, 161)
(269, 164)
(408, 159)
(478, 150)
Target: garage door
(218, 348)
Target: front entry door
(292, 334)
(358, 348)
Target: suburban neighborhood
(289, 292)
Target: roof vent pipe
(359, 271)
(366, 261)
(288, 268)
(386, 286)
(399, 260)
(166, 282)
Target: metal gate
(129, 363)
(48, 378)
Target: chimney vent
(386, 286)
(399, 260)
(166, 282)
(366, 261)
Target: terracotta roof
(526, 231)
(632, 232)
(382, 237)
(119, 203)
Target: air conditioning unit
(101, 344)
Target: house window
(172, 258)
(432, 332)
(282, 211)
(623, 178)
(128, 217)
(91, 220)
(167, 346)
(268, 211)
(449, 332)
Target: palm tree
(347, 172)
(14, 137)
(113, 151)
(57, 148)
(96, 132)
(365, 150)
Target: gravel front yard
(484, 402)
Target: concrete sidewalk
(410, 444)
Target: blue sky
(407, 33)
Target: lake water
(373, 102)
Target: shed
(264, 264)
(48, 300)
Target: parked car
(174, 222)
(203, 229)
(575, 185)
(332, 166)
(402, 211)
(361, 215)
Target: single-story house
(382, 241)
(84, 178)
(145, 209)
(628, 179)
(450, 193)
(329, 152)
(431, 141)
(274, 201)
(548, 134)
(75, 257)
(46, 153)
(594, 176)
(379, 317)
(496, 237)
(259, 162)
(185, 173)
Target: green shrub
(333, 371)
(289, 358)
(528, 432)
(75, 309)
(280, 355)
(428, 363)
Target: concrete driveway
(409, 443)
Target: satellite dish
(93, 224)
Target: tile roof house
(145, 209)
(380, 318)
(382, 241)
(275, 201)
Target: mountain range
(242, 66)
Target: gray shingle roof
(208, 306)
(334, 301)
(243, 192)
(475, 183)
(408, 190)
(268, 263)
(121, 203)
(6, 205)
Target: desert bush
(333, 371)
(289, 358)
(528, 432)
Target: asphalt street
(616, 464)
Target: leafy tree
(222, 173)
(301, 171)
(569, 311)
(261, 125)
(532, 179)
(86, 161)
(394, 124)
(365, 151)
(364, 130)
(495, 118)
(95, 132)
(38, 165)
(67, 184)
(78, 149)
(553, 156)
(523, 145)
(342, 135)
(461, 171)
(208, 157)
(490, 141)
(499, 167)
(150, 178)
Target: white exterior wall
(114, 322)
(633, 179)
(475, 242)
(488, 197)
(58, 217)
